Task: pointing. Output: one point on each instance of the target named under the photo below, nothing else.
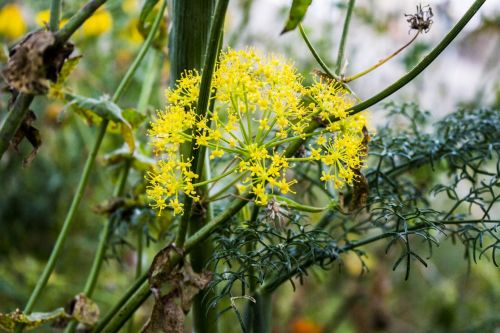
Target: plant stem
(380, 62)
(128, 309)
(55, 14)
(119, 189)
(262, 313)
(13, 121)
(204, 317)
(138, 268)
(343, 39)
(77, 20)
(316, 55)
(149, 80)
(140, 282)
(202, 106)
(142, 52)
(101, 248)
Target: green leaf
(297, 13)
(140, 161)
(133, 117)
(56, 89)
(8, 321)
(94, 110)
(101, 107)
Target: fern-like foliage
(425, 183)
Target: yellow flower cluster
(12, 23)
(258, 110)
(98, 24)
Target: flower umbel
(258, 109)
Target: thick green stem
(77, 20)
(188, 42)
(262, 313)
(13, 121)
(202, 106)
(55, 14)
(343, 39)
(204, 317)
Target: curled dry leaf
(26, 130)
(9, 321)
(360, 184)
(84, 310)
(35, 61)
(170, 310)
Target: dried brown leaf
(26, 130)
(35, 61)
(169, 311)
(360, 189)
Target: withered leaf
(169, 311)
(158, 274)
(85, 310)
(167, 316)
(35, 61)
(360, 184)
(9, 321)
(26, 130)
(109, 206)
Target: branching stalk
(404, 80)
(380, 62)
(316, 54)
(55, 15)
(203, 101)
